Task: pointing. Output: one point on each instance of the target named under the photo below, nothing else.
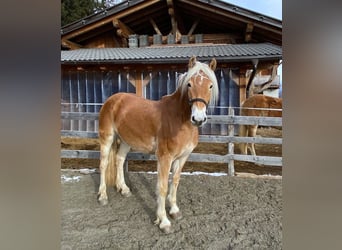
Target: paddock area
(219, 212)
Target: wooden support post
(171, 12)
(248, 32)
(231, 170)
(135, 80)
(138, 83)
(242, 85)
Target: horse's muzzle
(198, 114)
(198, 123)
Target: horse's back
(127, 106)
(261, 101)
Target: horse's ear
(192, 62)
(212, 64)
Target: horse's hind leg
(252, 133)
(120, 178)
(106, 141)
(243, 130)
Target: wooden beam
(122, 34)
(120, 25)
(248, 32)
(124, 42)
(218, 12)
(171, 12)
(178, 36)
(123, 29)
(193, 27)
(249, 27)
(71, 45)
(170, 3)
(179, 23)
(155, 27)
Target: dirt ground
(219, 212)
(212, 148)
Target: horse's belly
(144, 145)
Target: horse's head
(202, 89)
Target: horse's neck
(178, 103)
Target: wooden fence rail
(230, 120)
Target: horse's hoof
(166, 229)
(103, 202)
(126, 193)
(176, 216)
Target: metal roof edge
(223, 59)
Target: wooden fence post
(231, 171)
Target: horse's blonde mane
(184, 78)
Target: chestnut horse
(257, 105)
(168, 128)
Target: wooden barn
(141, 46)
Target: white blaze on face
(199, 105)
(198, 115)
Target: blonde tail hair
(111, 167)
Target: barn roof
(184, 17)
(167, 54)
(185, 6)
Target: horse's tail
(243, 131)
(111, 167)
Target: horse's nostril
(193, 118)
(205, 119)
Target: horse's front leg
(177, 167)
(164, 165)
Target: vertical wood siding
(86, 91)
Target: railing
(230, 120)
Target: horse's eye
(211, 86)
(189, 85)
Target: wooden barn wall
(86, 91)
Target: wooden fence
(230, 120)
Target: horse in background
(257, 105)
(168, 128)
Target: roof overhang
(172, 54)
(185, 17)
